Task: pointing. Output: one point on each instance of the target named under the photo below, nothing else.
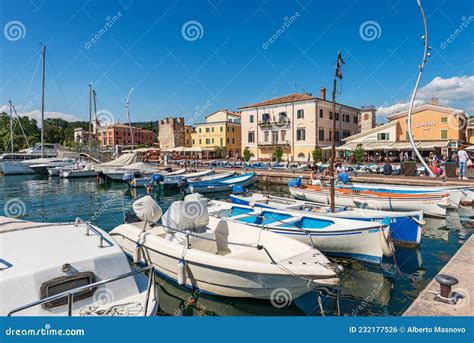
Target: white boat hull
(16, 168)
(430, 207)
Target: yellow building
(188, 131)
(221, 132)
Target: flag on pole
(339, 64)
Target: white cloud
(456, 92)
(36, 114)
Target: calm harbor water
(366, 289)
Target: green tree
(278, 154)
(359, 154)
(317, 155)
(247, 154)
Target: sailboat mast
(333, 148)
(128, 115)
(42, 99)
(90, 119)
(11, 126)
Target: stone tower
(367, 118)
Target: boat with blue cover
(223, 185)
(405, 227)
(355, 239)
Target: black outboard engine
(183, 186)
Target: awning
(378, 146)
(176, 149)
(348, 146)
(401, 146)
(432, 145)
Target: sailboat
(41, 155)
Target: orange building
(119, 134)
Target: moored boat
(223, 185)
(432, 204)
(360, 240)
(221, 257)
(405, 227)
(69, 269)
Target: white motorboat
(60, 269)
(219, 256)
(18, 163)
(117, 173)
(405, 227)
(356, 239)
(432, 204)
(86, 171)
(43, 168)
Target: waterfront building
(188, 130)
(171, 133)
(119, 135)
(297, 123)
(437, 129)
(221, 132)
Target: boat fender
(386, 242)
(137, 256)
(420, 222)
(181, 272)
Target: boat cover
(147, 209)
(124, 160)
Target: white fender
(181, 272)
(386, 243)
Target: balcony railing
(277, 124)
(274, 143)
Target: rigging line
(21, 126)
(56, 79)
(29, 85)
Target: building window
(213, 141)
(301, 155)
(330, 115)
(337, 116)
(266, 118)
(222, 140)
(355, 120)
(207, 130)
(200, 141)
(300, 134)
(222, 128)
(283, 135)
(321, 113)
(199, 130)
(212, 129)
(227, 129)
(321, 134)
(444, 119)
(300, 114)
(266, 135)
(383, 136)
(233, 129)
(228, 140)
(233, 140)
(336, 136)
(208, 141)
(444, 134)
(251, 137)
(193, 141)
(251, 118)
(282, 116)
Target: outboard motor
(183, 186)
(158, 178)
(127, 177)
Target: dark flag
(339, 64)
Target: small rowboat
(169, 179)
(221, 257)
(432, 204)
(223, 185)
(360, 240)
(405, 227)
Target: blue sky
(231, 62)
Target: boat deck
(460, 266)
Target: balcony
(274, 144)
(267, 124)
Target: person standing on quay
(463, 157)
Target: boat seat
(203, 239)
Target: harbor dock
(281, 177)
(460, 267)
